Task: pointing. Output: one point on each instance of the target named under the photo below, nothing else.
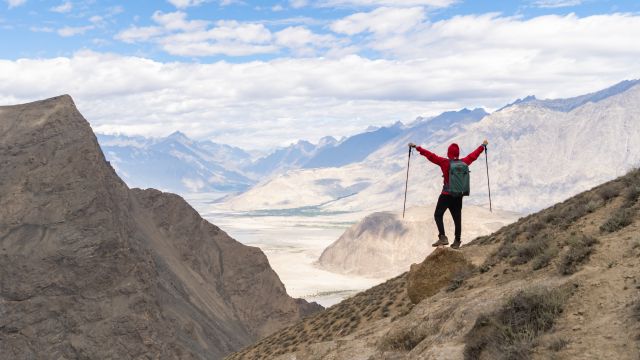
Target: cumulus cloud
(464, 61)
(139, 34)
(65, 7)
(177, 35)
(383, 20)
(15, 3)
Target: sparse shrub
(609, 191)
(459, 278)
(558, 344)
(543, 260)
(631, 195)
(580, 249)
(511, 331)
(636, 310)
(530, 249)
(618, 220)
(594, 204)
(404, 339)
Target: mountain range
(540, 152)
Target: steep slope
(176, 163)
(92, 269)
(384, 244)
(561, 283)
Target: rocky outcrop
(436, 271)
(92, 269)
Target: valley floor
(292, 243)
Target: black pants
(454, 204)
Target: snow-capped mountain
(538, 155)
(176, 163)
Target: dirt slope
(92, 269)
(560, 284)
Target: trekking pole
(406, 184)
(486, 158)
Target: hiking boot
(442, 241)
(456, 244)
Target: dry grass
(387, 300)
(511, 332)
(403, 339)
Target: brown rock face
(92, 269)
(435, 272)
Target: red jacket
(452, 153)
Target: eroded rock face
(435, 272)
(92, 269)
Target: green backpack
(458, 178)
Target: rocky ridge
(92, 269)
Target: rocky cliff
(92, 269)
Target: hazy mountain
(537, 156)
(177, 163)
(92, 269)
(353, 149)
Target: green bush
(511, 331)
(618, 220)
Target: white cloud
(65, 7)
(464, 61)
(394, 3)
(181, 4)
(178, 21)
(296, 4)
(382, 20)
(44, 29)
(304, 42)
(15, 3)
(179, 36)
(68, 31)
(556, 3)
(139, 34)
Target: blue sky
(39, 28)
(277, 71)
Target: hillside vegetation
(559, 284)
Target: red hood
(453, 152)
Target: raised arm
(429, 155)
(469, 159)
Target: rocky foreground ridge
(559, 284)
(92, 269)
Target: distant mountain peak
(568, 104)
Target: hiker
(446, 199)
